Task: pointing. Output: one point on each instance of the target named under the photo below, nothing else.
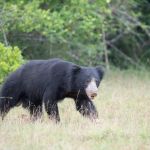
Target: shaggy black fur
(48, 82)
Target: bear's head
(87, 80)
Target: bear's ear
(76, 68)
(101, 71)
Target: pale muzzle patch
(91, 89)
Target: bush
(71, 30)
(10, 60)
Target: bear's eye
(88, 81)
(96, 80)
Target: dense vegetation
(89, 32)
(10, 60)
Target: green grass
(124, 120)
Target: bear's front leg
(52, 111)
(35, 112)
(87, 108)
(51, 107)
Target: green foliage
(72, 30)
(83, 31)
(10, 60)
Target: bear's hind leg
(6, 103)
(35, 111)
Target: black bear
(48, 82)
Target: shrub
(10, 60)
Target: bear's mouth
(92, 96)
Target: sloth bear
(48, 82)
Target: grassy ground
(124, 114)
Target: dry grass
(124, 112)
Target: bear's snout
(93, 95)
(91, 89)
